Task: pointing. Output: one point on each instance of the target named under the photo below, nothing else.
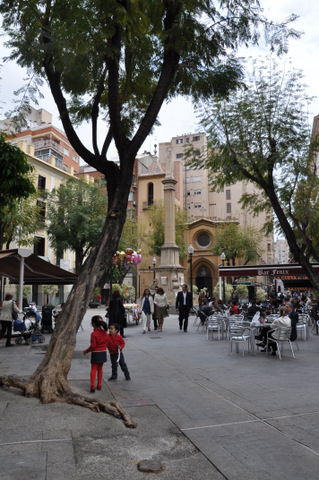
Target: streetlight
(191, 251)
(223, 258)
(154, 263)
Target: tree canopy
(237, 242)
(261, 133)
(76, 212)
(15, 184)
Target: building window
(39, 246)
(187, 140)
(197, 192)
(150, 194)
(179, 155)
(203, 239)
(197, 179)
(41, 183)
(188, 193)
(196, 138)
(75, 158)
(197, 205)
(179, 140)
(268, 247)
(227, 194)
(228, 207)
(188, 206)
(66, 151)
(131, 197)
(41, 207)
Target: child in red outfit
(115, 346)
(99, 343)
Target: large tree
(262, 133)
(118, 60)
(15, 184)
(237, 242)
(75, 217)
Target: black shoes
(9, 345)
(127, 378)
(92, 390)
(112, 378)
(266, 350)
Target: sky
(178, 116)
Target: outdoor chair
(284, 335)
(196, 316)
(214, 324)
(203, 320)
(302, 326)
(239, 335)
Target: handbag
(14, 314)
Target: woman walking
(160, 301)
(146, 309)
(116, 311)
(8, 307)
(98, 345)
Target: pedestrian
(183, 305)
(146, 310)
(161, 302)
(155, 310)
(98, 345)
(116, 311)
(115, 346)
(9, 308)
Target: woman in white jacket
(146, 309)
(160, 300)
(8, 306)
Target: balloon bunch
(129, 257)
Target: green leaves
(76, 215)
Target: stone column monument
(169, 274)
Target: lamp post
(223, 258)
(154, 263)
(191, 251)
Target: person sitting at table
(282, 321)
(205, 308)
(234, 310)
(253, 309)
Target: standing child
(115, 346)
(99, 342)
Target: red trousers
(96, 367)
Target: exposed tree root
(32, 389)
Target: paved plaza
(202, 413)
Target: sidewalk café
(292, 275)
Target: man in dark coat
(293, 315)
(184, 303)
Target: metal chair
(203, 320)
(283, 335)
(239, 334)
(214, 325)
(302, 326)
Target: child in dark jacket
(115, 346)
(99, 343)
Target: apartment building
(195, 193)
(48, 143)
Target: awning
(36, 270)
(279, 271)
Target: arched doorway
(204, 278)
